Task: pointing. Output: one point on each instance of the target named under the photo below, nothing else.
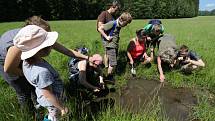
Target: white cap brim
(50, 40)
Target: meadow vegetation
(197, 33)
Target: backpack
(72, 64)
(155, 21)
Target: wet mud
(140, 95)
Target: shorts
(104, 42)
(112, 56)
(137, 60)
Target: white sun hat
(32, 39)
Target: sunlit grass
(198, 33)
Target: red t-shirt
(136, 48)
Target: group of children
(35, 41)
(147, 38)
(168, 53)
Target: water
(139, 94)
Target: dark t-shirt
(192, 55)
(92, 74)
(104, 17)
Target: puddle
(175, 103)
(140, 95)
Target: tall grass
(197, 33)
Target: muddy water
(140, 94)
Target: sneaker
(46, 118)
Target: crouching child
(85, 74)
(35, 44)
(136, 51)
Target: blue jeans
(24, 90)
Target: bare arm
(82, 75)
(12, 61)
(147, 58)
(198, 62)
(162, 77)
(47, 92)
(145, 55)
(69, 52)
(130, 47)
(130, 58)
(100, 23)
(101, 30)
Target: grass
(197, 33)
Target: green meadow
(197, 33)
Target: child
(10, 63)
(104, 18)
(136, 50)
(154, 30)
(189, 60)
(110, 31)
(35, 43)
(166, 54)
(85, 73)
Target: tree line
(13, 10)
(207, 13)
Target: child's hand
(148, 59)
(149, 38)
(187, 60)
(180, 58)
(96, 90)
(64, 111)
(131, 62)
(109, 38)
(102, 85)
(162, 78)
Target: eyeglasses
(95, 63)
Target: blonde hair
(125, 16)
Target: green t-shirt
(148, 29)
(114, 43)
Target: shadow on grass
(88, 104)
(121, 62)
